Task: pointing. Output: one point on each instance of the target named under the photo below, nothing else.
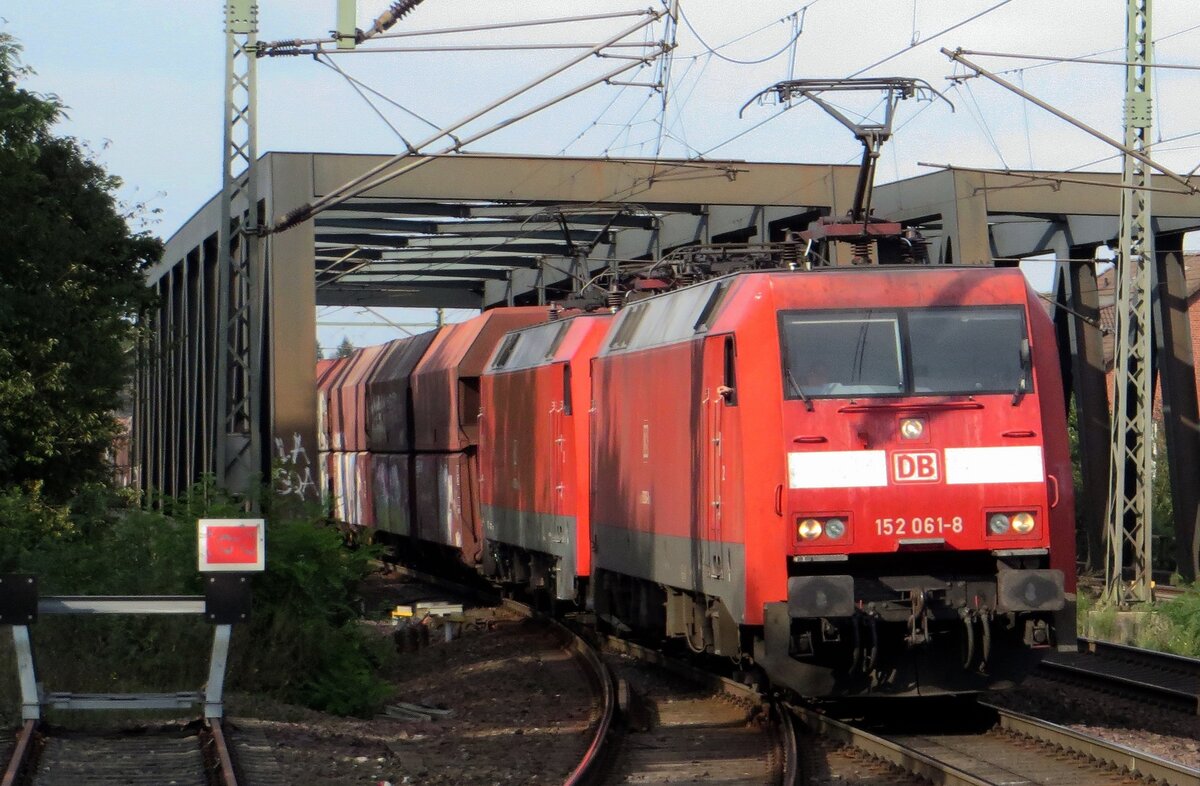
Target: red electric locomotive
(856, 479)
(533, 450)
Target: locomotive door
(558, 456)
(712, 470)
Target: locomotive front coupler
(918, 620)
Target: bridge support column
(1078, 324)
(1181, 420)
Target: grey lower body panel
(712, 568)
(543, 533)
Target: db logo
(916, 467)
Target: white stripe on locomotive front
(1021, 464)
(839, 469)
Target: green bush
(1183, 615)
(302, 645)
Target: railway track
(685, 725)
(679, 724)
(1170, 680)
(588, 770)
(1004, 747)
(193, 755)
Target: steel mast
(1129, 501)
(239, 322)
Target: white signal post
(229, 550)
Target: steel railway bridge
(476, 231)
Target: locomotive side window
(729, 391)
(629, 325)
(708, 314)
(506, 350)
(967, 350)
(842, 353)
(558, 340)
(568, 408)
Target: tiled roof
(1108, 317)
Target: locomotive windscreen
(896, 352)
(967, 350)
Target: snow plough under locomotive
(855, 480)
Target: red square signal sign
(235, 545)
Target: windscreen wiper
(1023, 383)
(799, 390)
(1020, 391)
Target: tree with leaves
(71, 285)
(344, 349)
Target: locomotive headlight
(1023, 523)
(998, 523)
(835, 528)
(808, 529)
(912, 428)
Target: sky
(142, 83)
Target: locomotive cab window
(968, 350)
(928, 351)
(841, 353)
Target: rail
(884, 749)
(589, 768)
(1173, 680)
(587, 771)
(790, 744)
(728, 731)
(1066, 748)
(201, 758)
(20, 754)
(1151, 767)
(224, 761)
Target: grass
(1168, 626)
(302, 645)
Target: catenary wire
(379, 113)
(861, 71)
(758, 61)
(381, 96)
(1155, 41)
(626, 192)
(772, 117)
